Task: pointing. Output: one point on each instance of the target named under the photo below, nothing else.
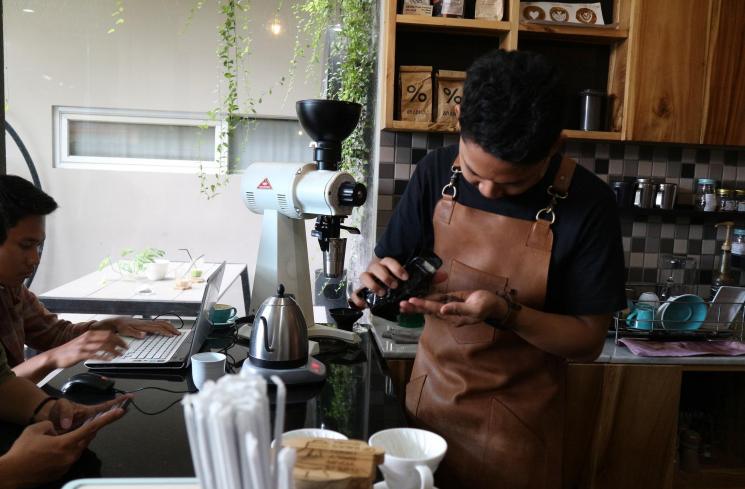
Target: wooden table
(106, 292)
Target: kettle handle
(266, 335)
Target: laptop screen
(211, 293)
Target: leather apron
(495, 398)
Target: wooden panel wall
(725, 115)
(666, 96)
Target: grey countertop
(612, 353)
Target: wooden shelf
(592, 135)
(399, 126)
(684, 212)
(449, 25)
(603, 35)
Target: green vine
(118, 15)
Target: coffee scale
(287, 194)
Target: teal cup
(222, 313)
(642, 317)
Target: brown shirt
(25, 320)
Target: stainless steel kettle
(279, 337)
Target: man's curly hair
(513, 105)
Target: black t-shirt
(586, 273)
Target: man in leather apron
(532, 272)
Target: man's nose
(490, 190)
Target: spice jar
(726, 200)
(740, 198)
(738, 242)
(706, 199)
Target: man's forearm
(20, 398)
(35, 368)
(572, 337)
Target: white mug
(207, 366)
(156, 270)
(411, 456)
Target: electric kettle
(279, 337)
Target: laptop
(168, 352)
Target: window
(126, 140)
(265, 139)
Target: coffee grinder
(287, 194)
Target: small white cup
(207, 366)
(157, 270)
(411, 456)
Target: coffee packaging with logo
(416, 93)
(489, 9)
(449, 94)
(448, 8)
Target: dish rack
(724, 320)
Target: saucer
(223, 325)
(383, 485)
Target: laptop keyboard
(153, 347)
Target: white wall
(62, 55)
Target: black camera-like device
(421, 269)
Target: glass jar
(706, 199)
(738, 242)
(740, 198)
(726, 200)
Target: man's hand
(66, 415)
(136, 328)
(459, 308)
(383, 275)
(99, 345)
(40, 455)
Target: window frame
(62, 115)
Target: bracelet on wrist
(39, 407)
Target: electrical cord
(171, 313)
(153, 413)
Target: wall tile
(645, 237)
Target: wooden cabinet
(593, 57)
(725, 90)
(673, 69)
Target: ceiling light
(276, 26)
(29, 10)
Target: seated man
(23, 319)
(57, 434)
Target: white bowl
(312, 433)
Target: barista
(532, 272)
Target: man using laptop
(23, 319)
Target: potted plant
(132, 264)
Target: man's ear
(558, 144)
(457, 117)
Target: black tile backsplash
(644, 237)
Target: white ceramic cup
(649, 298)
(207, 366)
(156, 270)
(411, 456)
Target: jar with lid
(706, 199)
(740, 198)
(738, 242)
(726, 200)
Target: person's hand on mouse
(99, 345)
(48, 453)
(136, 328)
(66, 415)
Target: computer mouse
(88, 383)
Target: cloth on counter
(644, 348)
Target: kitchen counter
(612, 353)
